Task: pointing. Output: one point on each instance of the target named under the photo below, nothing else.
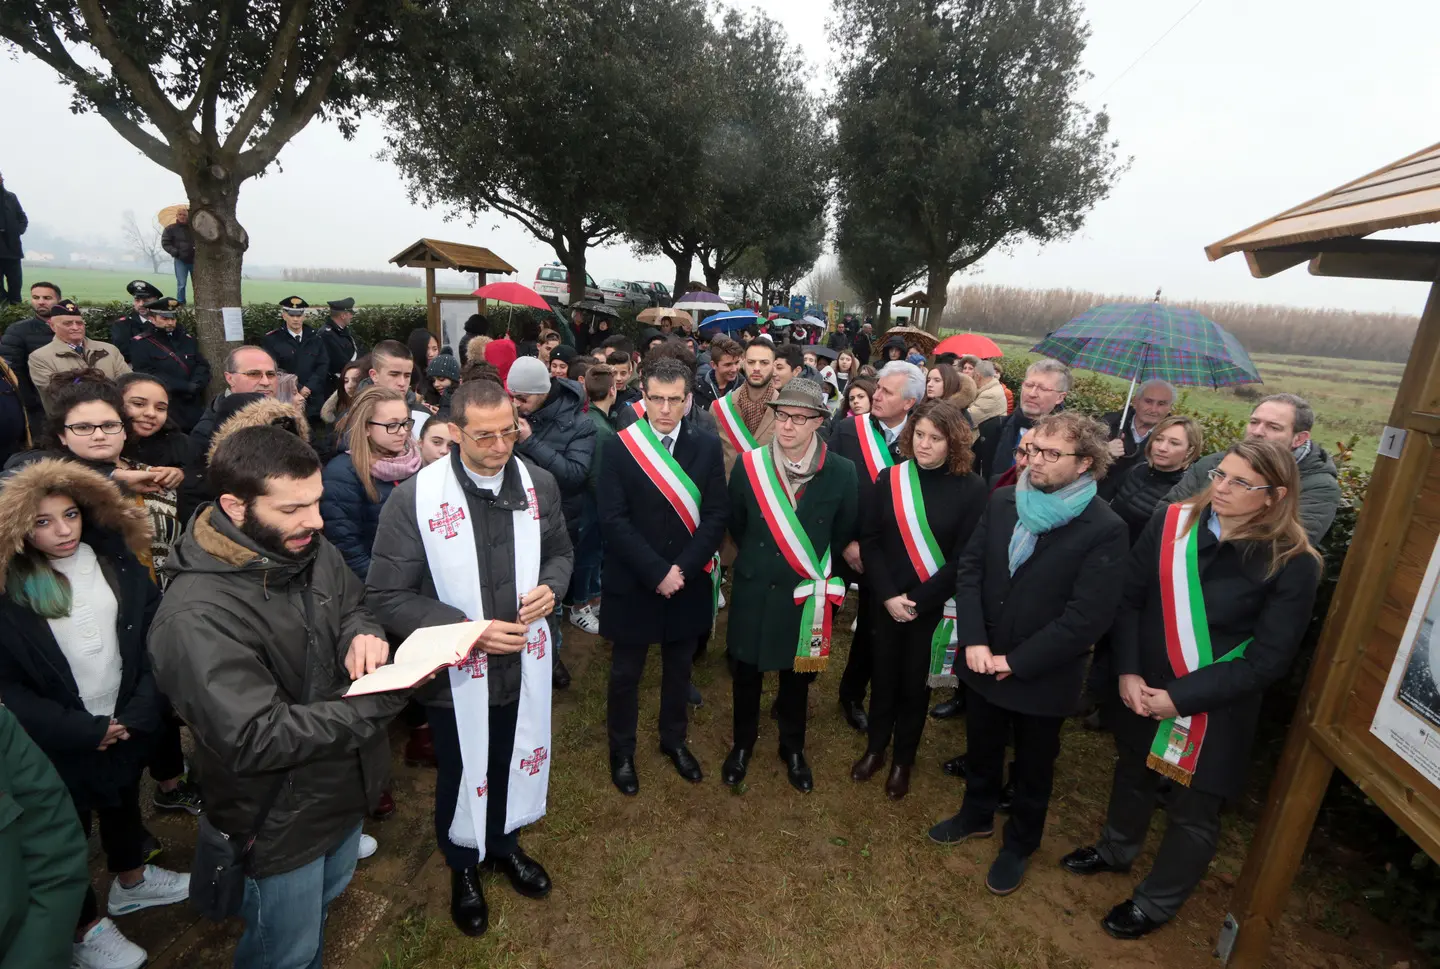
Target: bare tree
(144, 241)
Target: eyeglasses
(665, 401)
(799, 420)
(492, 438)
(394, 427)
(88, 430)
(257, 374)
(1221, 478)
(1048, 454)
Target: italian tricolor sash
(727, 415)
(664, 471)
(872, 446)
(638, 406)
(1176, 749)
(927, 559)
(817, 591)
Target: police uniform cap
(140, 289)
(293, 304)
(348, 303)
(164, 306)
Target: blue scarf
(1042, 512)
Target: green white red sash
(926, 557)
(872, 446)
(664, 471)
(817, 591)
(638, 406)
(1175, 751)
(727, 415)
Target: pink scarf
(398, 468)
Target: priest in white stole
(480, 535)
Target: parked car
(554, 280)
(659, 294)
(622, 292)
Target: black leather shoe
(797, 771)
(559, 676)
(685, 763)
(525, 874)
(952, 707)
(623, 776)
(1126, 921)
(736, 764)
(864, 768)
(855, 716)
(955, 766)
(1088, 861)
(467, 902)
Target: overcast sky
(1245, 109)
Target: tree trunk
(712, 279)
(882, 322)
(575, 265)
(220, 244)
(937, 292)
(682, 272)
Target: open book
(423, 652)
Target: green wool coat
(764, 627)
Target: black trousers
(10, 280)
(1187, 847)
(859, 665)
(627, 665)
(121, 832)
(899, 696)
(450, 770)
(1037, 744)
(167, 758)
(791, 705)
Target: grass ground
(1350, 397)
(103, 285)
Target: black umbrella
(600, 308)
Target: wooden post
(432, 305)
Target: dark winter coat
(861, 346)
(845, 442)
(21, 339)
(15, 431)
(13, 223)
(260, 678)
(1134, 452)
(644, 537)
(351, 517)
(179, 241)
(707, 391)
(174, 360)
(125, 329)
(402, 595)
(604, 430)
(1319, 488)
(1045, 618)
(1139, 492)
(306, 358)
(167, 448)
(35, 679)
(995, 441)
(341, 346)
(764, 627)
(1240, 603)
(562, 441)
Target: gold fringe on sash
(1162, 766)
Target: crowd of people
(233, 565)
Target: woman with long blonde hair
(379, 452)
(1220, 593)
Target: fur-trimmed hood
(99, 499)
(266, 410)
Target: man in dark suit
(298, 350)
(901, 387)
(341, 346)
(1038, 583)
(124, 329)
(663, 508)
(167, 353)
(1043, 392)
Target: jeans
(589, 552)
(285, 914)
(182, 270)
(10, 280)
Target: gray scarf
(795, 475)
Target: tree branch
(142, 85)
(207, 91)
(264, 95)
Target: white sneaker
(721, 603)
(159, 886)
(585, 620)
(855, 624)
(104, 947)
(368, 846)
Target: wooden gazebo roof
(1329, 232)
(916, 300)
(434, 254)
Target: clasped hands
(980, 660)
(1144, 700)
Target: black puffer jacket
(562, 441)
(179, 241)
(1139, 492)
(262, 687)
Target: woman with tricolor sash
(911, 536)
(1220, 593)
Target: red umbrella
(515, 293)
(970, 343)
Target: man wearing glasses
(248, 370)
(69, 351)
(663, 510)
(1043, 392)
(1038, 583)
(485, 510)
(793, 506)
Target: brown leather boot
(897, 785)
(866, 766)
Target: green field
(105, 285)
(1350, 397)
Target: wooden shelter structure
(1353, 715)
(918, 300)
(433, 254)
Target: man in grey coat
(401, 592)
(1286, 419)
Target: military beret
(348, 303)
(164, 306)
(140, 289)
(293, 304)
(65, 307)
